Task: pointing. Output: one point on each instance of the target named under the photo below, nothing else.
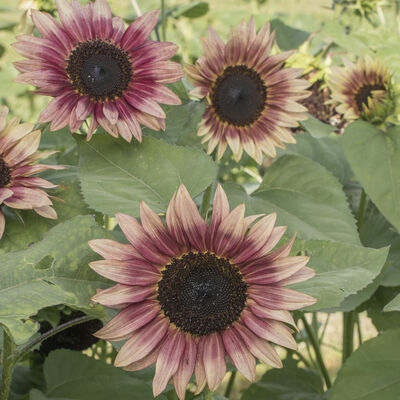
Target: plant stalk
(348, 334)
(229, 386)
(8, 364)
(163, 22)
(205, 204)
(315, 344)
(361, 209)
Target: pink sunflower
(192, 294)
(18, 188)
(251, 98)
(91, 65)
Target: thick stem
(315, 344)
(163, 22)
(361, 209)
(205, 204)
(8, 364)
(229, 386)
(348, 334)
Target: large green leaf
(341, 270)
(290, 382)
(372, 371)
(375, 306)
(30, 228)
(374, 156)
(288, 38)
(306, 197)
(316, 128)
(181, 124)
(327, 151)
(116, 176)
(394, 305)
(52, 271)
(72, 375)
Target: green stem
(207, 394)
(20, 353)
(360, 339)
(163, 22)
(315, 344)
(205, 204)
(302, 358)
(321, 338)
(348, 334)
(8, 363)
(361, 209)
(229, 386)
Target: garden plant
(199, 200)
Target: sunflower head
(191, 294)
(251, 98)
(18, 156)
(363, 90)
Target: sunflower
(91, 65)
(18, 188)
(364, 90)
(191, 294)
(251, 98)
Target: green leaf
(290, 382)
(25, 288)
(341, 270)
(59, 140)
(316, 128)
(372, 371)
(181, 124)
(327, 151)
(288, 38)
(116, 176)
(193, 10)
(374, 156)
(17, 236)
(394, 305)
(72, 375)
(383, 320)
(307, 198)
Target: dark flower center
(239, 95)
(99, 70)
(5, 173)
(201, 293)
(365, 93)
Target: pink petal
(70, 16)
(139, 30)
(135, 233)
(278, 298)
(102, 19)
(214, 360)
(174, 224)
(271, 330)
(33, 181)
(302, 275)
(151, 52)
(144, 104)
(194, 226)
(130, 272)
(168, 359)
(186, 367)
(120, 294)
(161, 71)
(220, 210)
(128, 114)
(112, 250)
(260, 348)
(157, 232)
(145, 362)
(199, 370)
(142, 342)
(23, 149)
(26, 198)
(129, 320)
(119, 28)
(2, 223)
(5, 194)
(46, 212)
(156, 92)
(238, 353)
(110, 111)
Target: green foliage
(116, 176)
(192, 10)
(290, 382)
(374, 156)
(307, 198)
(71, 375)
(288, 38)
(372, 371)
(25, 288)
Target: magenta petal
(199, 370)
(102, 19)
(214, 360)
(27, 198)
(130, 272)
(302, 275)
(168, 359)
(139, 30)
(143, 103)
(70, 15)
(112, 250)
(135, 233)
(186, 367)
(220, 211)
(119, 28)
(238, 353)
(5, 194)
(142, 342)
(128, 320)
